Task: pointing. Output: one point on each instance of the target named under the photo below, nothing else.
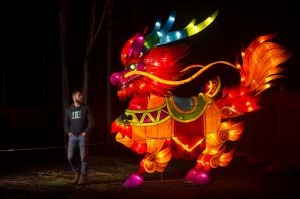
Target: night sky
(31, 59)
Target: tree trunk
(88, 50)
(91, 38)
(3, 79)
(109, 63)
(63, 18)
(3, 82)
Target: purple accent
(192, 174)
(141, 66)
(139, 116)
(147, 119)
(116, 79)
(154, 114)
(163, 115)
(136, 47)
(134, 180)
(202, 178)
(197, 176)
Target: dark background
(31, 106)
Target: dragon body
(161, 125)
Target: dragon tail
(260, 66)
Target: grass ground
(48, 178)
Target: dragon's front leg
(134, 180)
(152, 162)
(149, 140)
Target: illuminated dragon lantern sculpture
(161, 125)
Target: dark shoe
(76, 178)
(82, 180)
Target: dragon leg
(214, 154)
(152, 162)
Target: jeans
(75, 143)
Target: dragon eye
(141, 54)
(132, 66)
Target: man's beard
(78, 101)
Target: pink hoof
(134, 180)
(197, 176)
(192, 174)
(203, 178)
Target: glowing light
(194, 29)
(170, 82)
(146, 44)
(178, 34)
(172, 18)
(257, 70)
(168, 38)
(159, 34)
(185, 146)
(132, 66)
(157, 24)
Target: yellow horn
(175, 83)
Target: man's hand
(70, 134)
(83, 134)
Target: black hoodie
(78, 120)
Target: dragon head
(148, 58)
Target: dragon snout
(117, 79)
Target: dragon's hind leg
(201, 173)
(215, 153)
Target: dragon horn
(152, 39)
(168, 24)
(161, 36)
(193, 29)
(189, 30)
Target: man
(78, 125)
